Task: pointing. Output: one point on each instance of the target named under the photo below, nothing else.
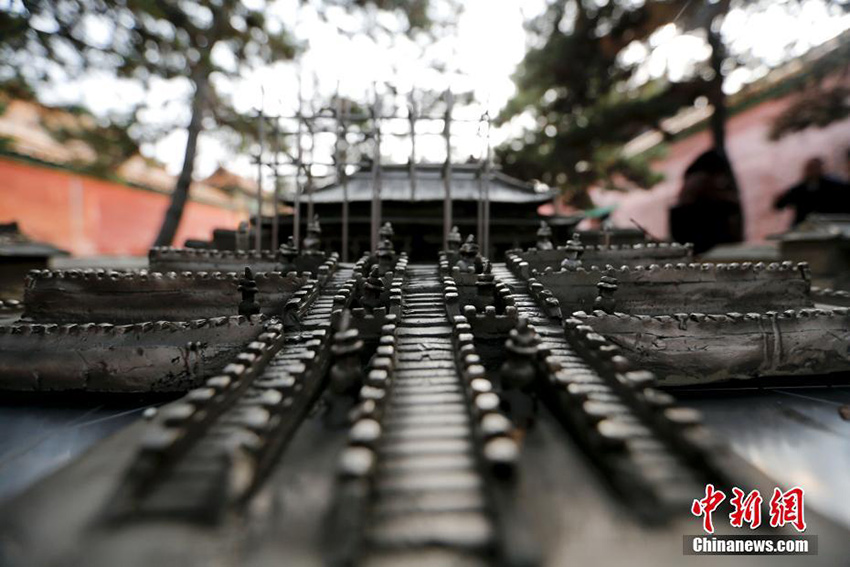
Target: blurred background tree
(588, 99)
(144, 39)
(204, 41)
(823, 96)
(583, 84)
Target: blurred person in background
(708, 210)
(847, 165)
(816, 193)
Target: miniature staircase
(429, 493)
(236, 450)
(650, 463)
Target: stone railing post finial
(248, 287)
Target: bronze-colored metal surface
(388, 413)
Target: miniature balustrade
(698, 348)
(829, 297)
(615, 411)
(237, 423)
(170, 259)
(601, 255)
(479, 290)
(178, 425)
(145, 356)
(371, 310)
(493, 321)
(700, 323)
(221, 440)
(495, 432)
(357, 463)
(295, 310)
(342, 299)
(547, 301)
(142, 357)
(518, 373)
(351, 289)
(680, 428)
(10, 305)
(704, 288)
(101, 296)
(346, 374)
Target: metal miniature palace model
(385, 412)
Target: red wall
(764, 169)
(90, 216)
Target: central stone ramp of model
(429, 491)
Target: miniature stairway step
(421, 321)
(417, 347)
(433, 331)
(410, 412)
(471, 530)
(416, 374)
(437, 342)
(418, 399)
(433, 314)
(427, 385)
(425, 356)
(403, 419)
(428, 481)
(410, 432)
(419, 464)
(425, 362)
(422, 297)
(430, 502)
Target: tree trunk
(171, 222)
(716, 96)
(717, 99)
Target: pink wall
(89, 216)
(764, 169)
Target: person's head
(813, 168)
(709, 177)
(711, 162)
